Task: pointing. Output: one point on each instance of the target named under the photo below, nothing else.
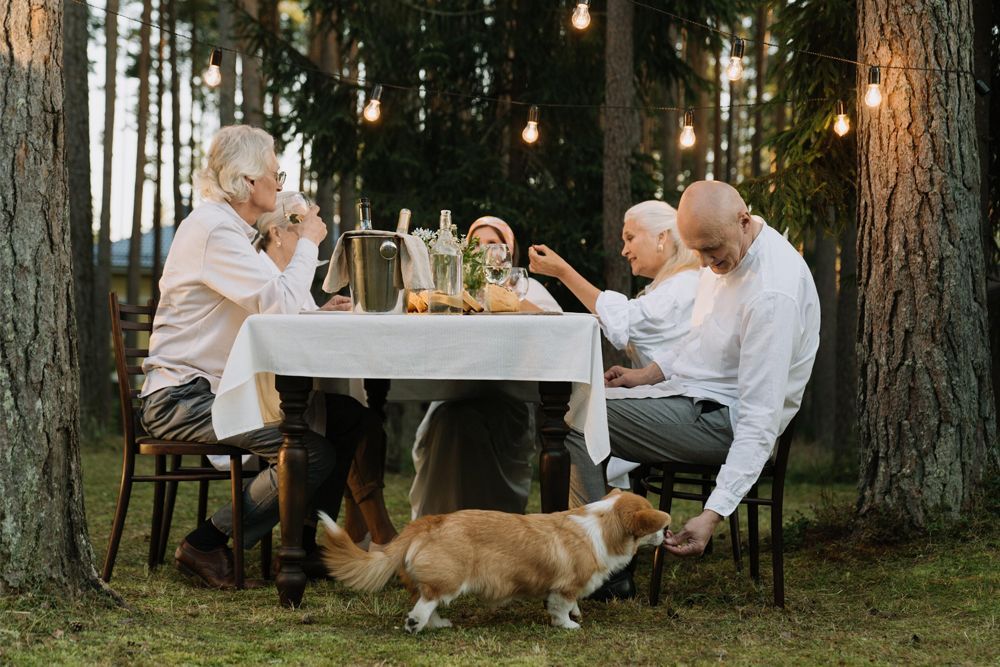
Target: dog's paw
(412, 625)
(566, 624)
(436, 622)
(575, 613)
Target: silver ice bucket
(376, 279)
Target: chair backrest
(128, 360)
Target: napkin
(415, 265)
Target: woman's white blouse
(653, 320)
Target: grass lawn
(933, 602)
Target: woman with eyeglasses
(213, 279)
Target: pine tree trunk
(717, 160)
(158, 178)
(824, 375)
(671, 161)
(621, 136)
(327, 47)
(175, 115)
(760, 66)
(926, 414)
(43, 533)
(698, 59)
(253, 81)
(845, 426)
(227, 89)
(81, 213)
(142, 119)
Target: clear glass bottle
(364, 214)
(446, 267)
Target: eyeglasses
(279, 178)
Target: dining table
(560, 354)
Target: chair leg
(168, 509)
(734, 536)
(236, 480)
(753, 536)
(157, 523)
(117, 526)
(265, 556)
(666, 498)
(203, 493)
(778, 552)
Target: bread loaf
(501, 300)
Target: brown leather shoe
(214, 568)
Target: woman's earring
(279, 244)
(659, 248)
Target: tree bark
(43, 531)
(142, 119)
(81, 215)
(698, 59)
(760, 66)
(227, 89)
(253, 80)
(621, 136)
(158, 178)
(717, 160)
(175, 115)
(926, 414)
(671, 163)
(824, 374)
(845, 426)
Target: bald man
(725, 393)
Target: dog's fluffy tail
(357, 569)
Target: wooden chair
(662, 478)
(128, 362)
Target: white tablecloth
(426, 347)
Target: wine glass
(294, 207)
(518, 282)
(497, 263)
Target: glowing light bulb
(373, 110)
(734, 71)
(530, 131)
(842, 125)
(873, 96)
(581, 15)
(213, 75)
(687, 133)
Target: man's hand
(338, 302)
(617, 376)
(692, 540)
(312, 226)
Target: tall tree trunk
(158, 178)
(81, 213)
(175, 115)
(698, 59)
(227, 89)
(760, 67)
(43, 534)
(197, 103)
(327, 50)
(621, 135)
(926, 413)
(253, 81)
(671, 153)
(845, 426)
(717, 161)
(824, 374)
(732, 131)
(102, 283)
(142, 118)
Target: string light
(735, 68)
(842, 125)
(581, 15)
(873, 97)
(687, 133)
(373, 110)
(213, 75)
(530, 131)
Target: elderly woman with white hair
(660, 315)
(213, 279)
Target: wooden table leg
(376, 391)
(553, 463)
(292, 473)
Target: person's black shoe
(619, 586)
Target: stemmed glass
(294, 207)
(497, 263)
(518, 282)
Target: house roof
(119, 249)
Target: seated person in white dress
(365, 512)
(660, 315)
(726, 392)
(476, 452)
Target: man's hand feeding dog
(559, 557)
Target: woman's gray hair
(657, 217)
(237, 152)
(274, 219)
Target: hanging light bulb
(687, 133)
(581, 15)
(530, 131)
(842, 125)
(735, 68)
(213, 75)
(873, 97)
(373, 110)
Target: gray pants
(185, 413)
(651, 430)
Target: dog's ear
(646, 522)
(613, 492)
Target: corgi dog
(559, 557)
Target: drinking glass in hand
(518, 282)
(497, 263)
(295, 207)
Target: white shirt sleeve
(233, 268)
(644, 320)
(770, 326)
